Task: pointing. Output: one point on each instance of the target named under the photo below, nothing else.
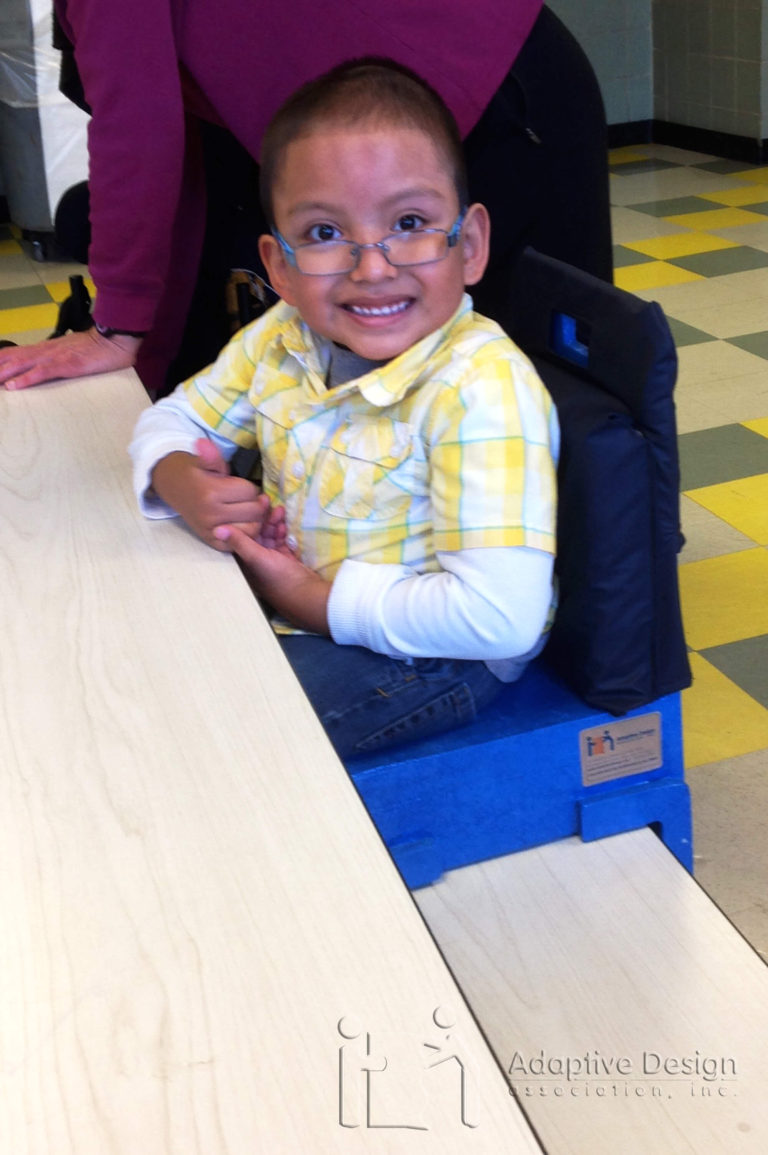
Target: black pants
(537, 158)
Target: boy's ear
(278, 269)
(475, 237)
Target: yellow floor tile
(725, 599)
(760, 426)
(652, 275)
(756, 175)
(719, 719)
(742, 503)
(716, 219)
(735, 196)
(625, 155)
(680, 245)
(30, 317)
(59, 290)
(10, 246)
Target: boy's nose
(372, 265)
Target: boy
(408, 515)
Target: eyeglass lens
(415, 248)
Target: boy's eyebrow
(401, 195)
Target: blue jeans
(368, 702)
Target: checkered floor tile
(691, 232)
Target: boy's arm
(487, 603)
(180, 466)
(274, 573)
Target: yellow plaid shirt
(447, 447)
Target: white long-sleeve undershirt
(488, 604)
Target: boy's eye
(408, 223)
(323, 233)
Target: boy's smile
(363, 183)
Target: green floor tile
(650, 164)
(20, 298)
(722, 261)
(686, 334)
(745, 663)
(622, 257)
(674, 207)
(723, 166)
(759, 207)
(756, 343)
(725, 453)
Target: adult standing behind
(153, 71)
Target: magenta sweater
(233, 61)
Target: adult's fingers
(74, 355)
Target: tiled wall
(701, 63)
(616, 36)
(711, 64)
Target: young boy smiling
(407, 523)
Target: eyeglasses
(415, 247)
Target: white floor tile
(707, 535)
(730, 816)
(720, 364)
(755, 235)
(629, 225)
(728, 319)
(643, 187)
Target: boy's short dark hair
(369, 88)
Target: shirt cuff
(356, 589)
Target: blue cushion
(609, 360)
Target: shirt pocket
(373, 468)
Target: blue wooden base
(539, 765)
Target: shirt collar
(382, 386)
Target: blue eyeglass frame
(451, 235)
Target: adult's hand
(74, 355)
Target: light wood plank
(192, 897)
(608, 953)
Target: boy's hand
(200, 488)
(274, 529)
(277, 575)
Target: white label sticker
(618, 749)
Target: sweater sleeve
(127, 59)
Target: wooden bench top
(628, 1011)
(204, 946)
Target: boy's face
(363, 183)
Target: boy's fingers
(237, 542)
(239, 509)
(210, 456)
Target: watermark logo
(650, 1074)
(390, 1084)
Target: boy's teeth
(378, 310)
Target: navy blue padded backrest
(609, 361)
